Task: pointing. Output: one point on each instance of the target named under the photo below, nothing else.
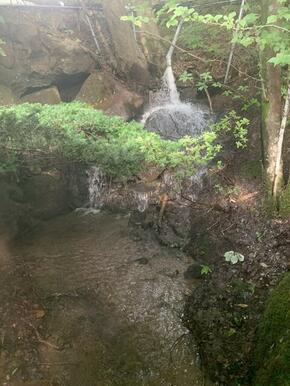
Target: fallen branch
(215, 206)
(40, 339)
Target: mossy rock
(272, 359)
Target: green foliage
(226, 190)
(232, 122)
(209, 41)
(206, 80)
(79, 133)
(234, 257)
(185, 77)
(206, 270)
(272, 355)
(274, 34)
(136, 20)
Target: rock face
(46, 96)
(41, 50)
(6, 96)
(51, 56)
(130, 58)
(104, 92)
(39, 193)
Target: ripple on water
(117, 321)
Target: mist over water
(171, 118)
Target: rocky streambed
(84, 302)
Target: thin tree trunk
(233, 46)
(271, 110)
(172, 46)
(93, 33)
(280, 145)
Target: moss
(272, 358)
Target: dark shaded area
(70, 85)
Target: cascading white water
(167, 114)
(142, 200)
(169, 83)
(96, 181)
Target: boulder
(46, 96)
(6, 96)
(42, 49)
(97, 89)
(131, 61)
(46, 194)
(104, 92)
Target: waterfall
(167, 115)
(96, 182)
(142, 200)
(170, 85)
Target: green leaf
(234, 257)
(280, 59)
(272, 19)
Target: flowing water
(111, 306)
(97, 186)
(168, 116)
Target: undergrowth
(80, 133)
(273, 346)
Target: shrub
(80, 133)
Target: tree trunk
(271, 110)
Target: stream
(111, 304)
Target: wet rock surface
(104, 92)
(173, 122)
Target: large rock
(11, 209)
(42, 49)
(173, 121)
(47, 96)
(102, 91)
(131, 60)
(6, 96)
(47, 47)
(46, 193)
